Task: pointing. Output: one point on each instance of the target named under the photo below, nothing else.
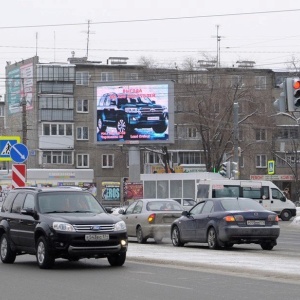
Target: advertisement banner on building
(133, 191)
(20, 87)
(111, 191)
(135, 113)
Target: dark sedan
(223, 222)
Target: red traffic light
(296, 85)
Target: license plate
(96, 237)
(256, 222)
(153, 118)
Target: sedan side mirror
(185, 213)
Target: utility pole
(235, 140)
(24, 115)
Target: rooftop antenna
(88, 38)
(218, 46)
(36, 43)
(54, 46)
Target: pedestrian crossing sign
(6, 143)
(271, 167)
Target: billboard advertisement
(20, 86)
(135, 113)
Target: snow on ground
(195, 255)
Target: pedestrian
(93, 190)
(286, 192)
(1, 194)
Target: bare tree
(209, 106)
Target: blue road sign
(6, 142)
(19, 153)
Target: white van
(265, 192)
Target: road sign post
(19, 153)
(6, 143)
(19, 173)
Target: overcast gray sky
(264, 31)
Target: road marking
(169, 285)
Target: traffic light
(280, 103)
(235, 170)
(224, 169)
(293, 94)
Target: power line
(154, 19)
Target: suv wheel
(101, 127)
(43, 257)
(117, 260)
(160, 129)
(8, 256)
(122, 126)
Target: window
(55, 73)
(56, 102)
(288, 133)
(237, 81)
(83, 160)
(58, 157)
(131, 76)
(29, 202)
(260, 82)
(193, 78)
(82, 106)
(152, 158)
(18, 203)
(82, 78)
(261, 161)
(214, 81)
(292, 158)
(57, 129)
(191, 132)
(260, 134)
(82, 133)
(55, 88)
(107, 160)
(189, 158)
(1, 111)
(107, 76)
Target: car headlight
(60, 226)
(120, 226)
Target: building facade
(53, 107)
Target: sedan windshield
(65, 202)
(241, 204)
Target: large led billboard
(135, 113)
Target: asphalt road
(155, 278)
(95, 279)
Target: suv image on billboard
(127, 112)
(55, 223)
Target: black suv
(59, 223)
(126, 112)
